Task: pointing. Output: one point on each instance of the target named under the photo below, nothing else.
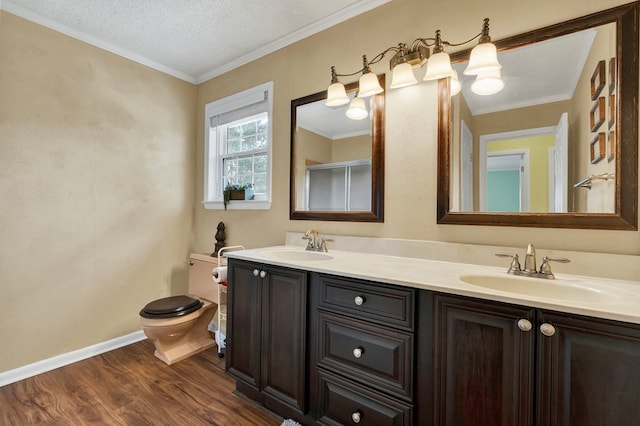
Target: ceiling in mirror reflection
(534, 74)
(330, 122)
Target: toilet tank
(201, 283)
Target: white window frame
(212, 197)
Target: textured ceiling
(191, 39)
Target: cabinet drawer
(344, 403)
(373, 355)
(392, 306)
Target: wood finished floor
(130, 386)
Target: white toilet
(177, 325)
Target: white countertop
(620, 300)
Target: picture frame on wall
(612, 75)
(597, 148)
(611, 143)
(612, 110)
(596, 117)
(597, 80)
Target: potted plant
(235, 191)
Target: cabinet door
(483, 363)
(589, 372)
(284, 313)
(243, 322)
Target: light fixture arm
(438, 45)
(484, 35)
(334, 75)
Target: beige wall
(96, 191)
(350, 149)
(313, 148)
(101, 168)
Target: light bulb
(368, 85)
(336, 95)
(455, 84)
(438, 66)
(484, 58)
(488, 83)
(402, 76)
(357, 109)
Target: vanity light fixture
(483, 63)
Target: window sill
(238, 205)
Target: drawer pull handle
(263, 274)
(359, 300)
(547, 329)
(255, 272)
(356, 416)
(357, 352)
(524, 325)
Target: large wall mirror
(337, 163)
(558, 145)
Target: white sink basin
(537, 287)
(296, 255)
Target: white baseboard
(49, 364)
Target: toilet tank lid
(204, 258)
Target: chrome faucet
(315, 243)
(530, 260)
(529, 269)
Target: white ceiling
(194, 40)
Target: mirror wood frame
(376, 214)
(626, 182)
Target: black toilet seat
(171, 307)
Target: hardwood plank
(130, 386)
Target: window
(238, 147)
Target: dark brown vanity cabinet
(501, 364)
(364, 352)
(266, 335)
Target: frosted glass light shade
(488, 83)
(368, 85)
(438, 66)
(402, 76)
(456, 86)
(357, 109)
(336, 95)
(484, 58)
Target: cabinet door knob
(547, 329)
(356, 416)
(359, 300)
(524, 325)
(263, 274)
(255, 272)
(357, 352)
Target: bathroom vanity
(352, 338)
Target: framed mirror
(558, 145)
(337, 163)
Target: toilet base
(178, 338)
(181, 352)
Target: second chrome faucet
(315, 243)
(530, 269)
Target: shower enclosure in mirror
(542, 151)
(337, 162)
